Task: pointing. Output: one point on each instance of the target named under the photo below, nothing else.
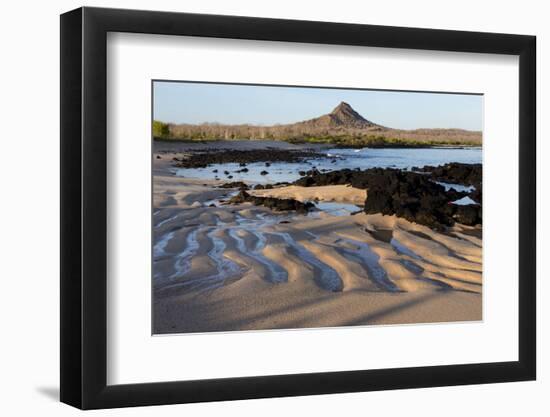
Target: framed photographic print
(258, 207)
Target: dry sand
(242, 267)
(336, 193)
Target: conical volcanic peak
(344, 107)
(343, 116)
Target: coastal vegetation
(342, 127)
(161, 130)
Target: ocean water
(403, 158)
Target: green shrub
(160, 129)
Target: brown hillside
(343, 116)
(342, 126)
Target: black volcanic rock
(235, 184)
(477, 195)
(469, 215)
(455, 173)
(355, 178)
(276, 204)
(458, 173)
(406, 194)
(203, 157)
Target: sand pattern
(236, 267)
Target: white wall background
(29, 220)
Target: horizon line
(247, 119)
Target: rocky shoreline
(202, 158)
(277, 204)
(412, 195)
(455, 173)
(409, 194)
(424, 194)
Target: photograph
(278, 207)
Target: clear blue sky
(181, 102)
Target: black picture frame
(84, 207)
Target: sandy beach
(224, 267)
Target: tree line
(306, 133)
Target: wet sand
(240, 267)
